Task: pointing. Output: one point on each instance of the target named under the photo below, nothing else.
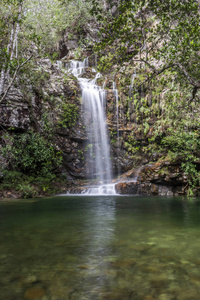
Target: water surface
(100, 248)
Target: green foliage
(19, 181)
(44, 181)
(69, 115)
(28, 185)
(37, 77)
(27, 190)
(47, 125)
(49, 19)
(17, 38)
(105, 62)
(41, 25)
(11, 178)
(46, 19)
(31, 153)
(161, 32)
(132, 145)
(30, 162)
(184, 146)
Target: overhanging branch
(189, 78)
(195, 84)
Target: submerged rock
(34, 292)
(158, 282)
(149, 297)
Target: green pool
(100, 248)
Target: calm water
(100, 248)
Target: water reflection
(100, 223)
(100, 220)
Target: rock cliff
(55, 107)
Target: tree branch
(189, 78)
(14, 77)
(155, 71)
(196, 85)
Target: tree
(47, 19)
(160, 34)
(15, 48)
(178, 27)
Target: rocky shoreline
(158, 179)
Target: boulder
(130, 188)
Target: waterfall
(116, 94)
(131, 85)
(78, 67)
(117, 109)
(93, 103)
(94, 100)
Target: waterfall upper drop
(94, 101)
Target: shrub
(31, 153)
(184, 146)
(69, 115)
(27, 190)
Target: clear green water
(100, 248)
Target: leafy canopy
(161, 34)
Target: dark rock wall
(41, 110)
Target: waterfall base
(105, 189)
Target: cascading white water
(93, 98)
(93, 102)
(116, 94)
(117, 109)
(131, 85)
(78, 67)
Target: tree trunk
(15, 42)
(3, 71)
(2, 80)
(12, 49)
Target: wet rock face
(70, 39)
(162, 179)
(15, 112)
(66, 45)
(127, 188)
(70, 136)
(128, 142)
(27, 108)
(163, 173)
(73, 156)
(119, 130)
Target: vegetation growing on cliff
(156, 42)
(29, 158)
